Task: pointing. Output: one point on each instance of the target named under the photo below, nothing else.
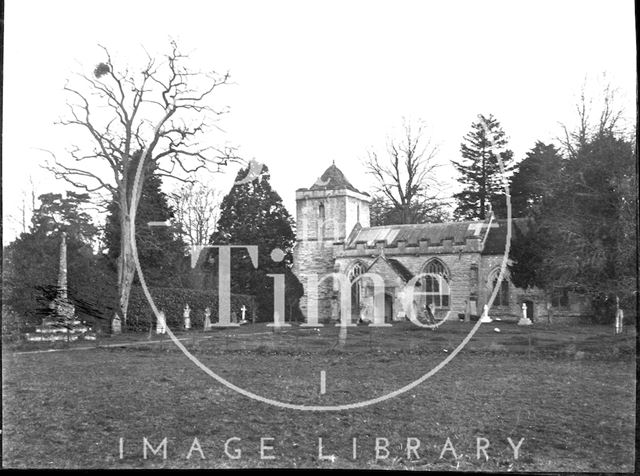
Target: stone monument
(243, 309)
(62, 323)
(485, 315)
(619, 321)
(116, 325)
(161, 324)
(207, 319)
(185, 315)
(524, 320)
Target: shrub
(172, 302)
(12, 325)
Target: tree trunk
(126, 263)
(126, 267)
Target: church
(451, 267)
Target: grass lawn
(568, 391)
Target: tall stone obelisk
(63, 308)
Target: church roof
(498, 236)
(400, 269)
(412, 234)
(397, 267)
(437, 232)
(333, 179)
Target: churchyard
(569, 391)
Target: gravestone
(116, 325)
(524, 320)
(485, 315)
(467, 311)
(207, 319)
(243, 309)
(161, 324)
(619, 321)
(187, 319)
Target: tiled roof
(412, 234)
(333, 179)
(437, 232)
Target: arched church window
(502, 298)
(356, 271)
(321, 222)
(357, 288)
(436, 284)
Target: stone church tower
(326, 215)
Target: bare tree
(197, 208)
(22, 217)
(608, 121)
(151, 119)
(406, 176)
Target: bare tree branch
(407, 176)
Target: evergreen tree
(535, 179)
(584, 237)
(161, 251)
(480, 170)
(252, 213)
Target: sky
(319, 81)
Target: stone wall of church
(315, 258)
(460, 265)
(318, 229)
(341, 210)
(516, 295)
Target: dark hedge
(172, 301)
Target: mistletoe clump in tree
(480, 172)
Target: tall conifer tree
(480, 170)
(252, 213)
(161, 250)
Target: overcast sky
(316, 81)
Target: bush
(172, 302)
(12, 325)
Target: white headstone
(524, 320)
(187, 319)
(244, 311)
(116, 325)
(161, 324)
(207, 319)
(619, 321)
(485, 315)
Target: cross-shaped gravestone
(244, 311)
(524, 320)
